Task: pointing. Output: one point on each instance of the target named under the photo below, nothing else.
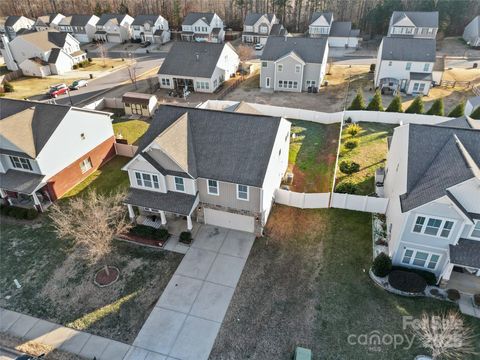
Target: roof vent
(197, 56)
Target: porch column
(163, 218)
(131, 213)
(189, 223)
(37, 202)
(3, 195)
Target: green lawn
(107, 178)
(131, 130)
(312, 155)
(371, 154)
(306, 284)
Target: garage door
(229, 220)
(114, 38)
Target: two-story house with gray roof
(114, 28)
(47, 22)
(432, 180)
(258, 27)
(203, 27)
(293, 64)
(153, 28)
(200, 67)
(339, 33)
(47, 149)
(15, 25)
(215, 167)
(407, 56)
(81, 27)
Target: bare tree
(92, 221)
(245, 53)
(445, 335)
(132, 69)
(102, 53)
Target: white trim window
(298, 68)
(280, 67)
(179, 184)
(165, 82)
(242, 192)
(21, 163)
(212, 187)
(147, 180)
(433, 227)
(86, 165)
(420, 259)
(476, 230)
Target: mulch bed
(104, 279)
(142, 240)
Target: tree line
(370, 16)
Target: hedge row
(18, 213)
(150, 232)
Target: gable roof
(466, 252)
(419, 18)
(464, 122)
(310, 50)
(438, 157)
(142, 19)
(408, 49)
(193, 17)
(105, 17)
(192, 59)
(45, 40)
(327, 15)
(45, 19)
(12, 20)
(224, 146)
(341, 28)
(252, 18)
(28, 125)
(80, 19)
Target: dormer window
(21, 163)
(179, 184)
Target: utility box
(302, 354)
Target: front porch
(175, 224)
(464, 282)
(39, 200)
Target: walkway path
(187, 317)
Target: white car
(258, 46)
(77, 84)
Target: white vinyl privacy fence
(125, 150)
(302, 200)
(359, 203)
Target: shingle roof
(311, 50)
(11, 20)
(219, 145)
(343, 29)
(252, 18)
(192, 59)
(278, 30)
(105, 17)
(45, 40)
(438, 158)
(419, 18)
(170, 201)
(192, 17)
(466, 253)
(327, 15)
(52, 59)
(28, 124)
(464, 122)
(474, 101)
(80, 19)
(142, 19)
(21, 181)
(136, 98)
(408, 49)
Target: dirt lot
(455, 46)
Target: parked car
(77, 84)
(58, 89)
(146, 44)
(30, 357)
(258, 46)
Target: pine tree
(458, 110)
(416, 107)
(357, 103)
(98, 9)
(437, 108)
(476, 114)
(376, 102)
(395, 105)
(123, 8)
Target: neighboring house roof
(252, 18)
(343, 29)
(419, 18)
(45, 40)
(278, 30)
(106, 17)
(192, 59)
(52, 59)
(136, 98)
(438, 157)
(327, 15)
(24, 31)
(193, 17)
(224, 146)
(79, 20)
(466, 253)
(45, 20)
(12, 20)
(171, 201)
(310, 50)
(142, 19)
(464, 122)
(474, 101)
(28, 125)
(20, 181)
(408, 49)
(38, 61)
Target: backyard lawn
(131, 130)
(306, 284)
(370, 154)
(312, 156)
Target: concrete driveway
(187, 317)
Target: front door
(267, 83)
(403, 85)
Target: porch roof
(466, 253)
(171, 201)
(20, 181)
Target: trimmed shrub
(407, 281)
(349, 167)
(31, 214)
(476, 299)
(395, 105)
(376, 102)
(382, 265)
(458, 110)
(150, 232)
(75, 66)
(353, 129)
(7, 87)
(416, 107)
(90, 60)
(18, 213)
(437, 108)
(186, 237)
(346, 187)
(358, 103)
(351, 144)
(80, 65)
(453, 294)
(372, 67)
(476, 114)
(429, 277)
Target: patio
(464, 282)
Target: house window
(267, 82)
(280, 67)
(127, 105)
(242, 192)
(422, 87)
(165, 82)
(179, 184)
(419, 224)
(408, 66)
(264, 64)
(280, 83)
(407, 256)
(426, 67)
(433, 226)
(295, 84)
(147, 180)
(212, 187)
(476, 230)
(21, 163)
(311, 83)
(389, 63)
(415, 87)
(298, 68)
(85, 165)
(420, 259)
